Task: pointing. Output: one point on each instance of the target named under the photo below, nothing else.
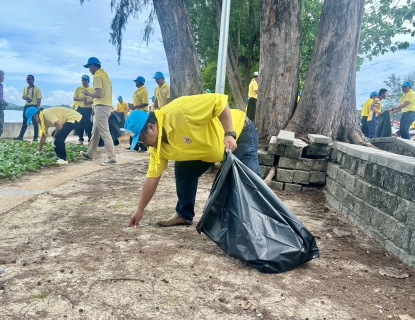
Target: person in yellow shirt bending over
(162, 91)
(252, 97)
(365, 112)
(122, 106)
(407, 105)
(84, 107)
(194, 131)
(63, 119)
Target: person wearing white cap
(407, 105)
(84, 107)
(252, 97)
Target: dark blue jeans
(372, 127)
(188, 172)
(406, 120)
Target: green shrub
(16, 157)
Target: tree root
(270, 175)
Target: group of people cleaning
(372, 109)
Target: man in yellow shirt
(63, 119)
(153, 99)
(194, 131)
(33, 98)
(140, 102)
(122, 106)
(252, 97)
(365, 112)
(162, 91)
(102, 104)
(375, 110)
(407, 105)
(84, 107)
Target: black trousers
(60, 138)
(250, 113)
(85, 123)
(24, 125)
(365, 128)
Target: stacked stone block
(300, 166)
(395, 145)
(376, 190)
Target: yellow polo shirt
(141, 96)
(409, 96)
(48, 117)
(33, 93)
(366, 107)
(103, 82)
(162, 94)
(193, 130)
(79, 94)
(123, 107)
(252, 87)
(378, 104)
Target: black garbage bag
(383, 125)
(248, 221)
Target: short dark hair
(97, 65)
(30, 75)
(382, 91)
(151, 119)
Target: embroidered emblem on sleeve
(187, 140)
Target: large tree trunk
(328, 101)
(179, 44)
(279, 65)
(232, 70)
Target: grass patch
(17, 157)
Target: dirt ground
(68, 254)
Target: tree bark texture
(279, 65)
(232, 70)
(180, 48)
(328, 101)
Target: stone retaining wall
(300, 167)
(376, 190)
(395, 145)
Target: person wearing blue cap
(63, 119)
(102, 108)
(122, 106)
(206, 91)
(365, 112)
(194, 131)
(33, 98)
(84, 107)
(140, 102)
(153, 99)
(407, 105)
(375, 111)
(162, 91)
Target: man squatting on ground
(63, 119)
(194, 131)
(102, 104)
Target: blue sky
(53, 39)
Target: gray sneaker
(109, 162)
(85, 155)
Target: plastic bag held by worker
(249, 222)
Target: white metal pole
(223, 46)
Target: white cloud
(11, 94)
(58, 97)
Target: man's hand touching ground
(135, 218)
